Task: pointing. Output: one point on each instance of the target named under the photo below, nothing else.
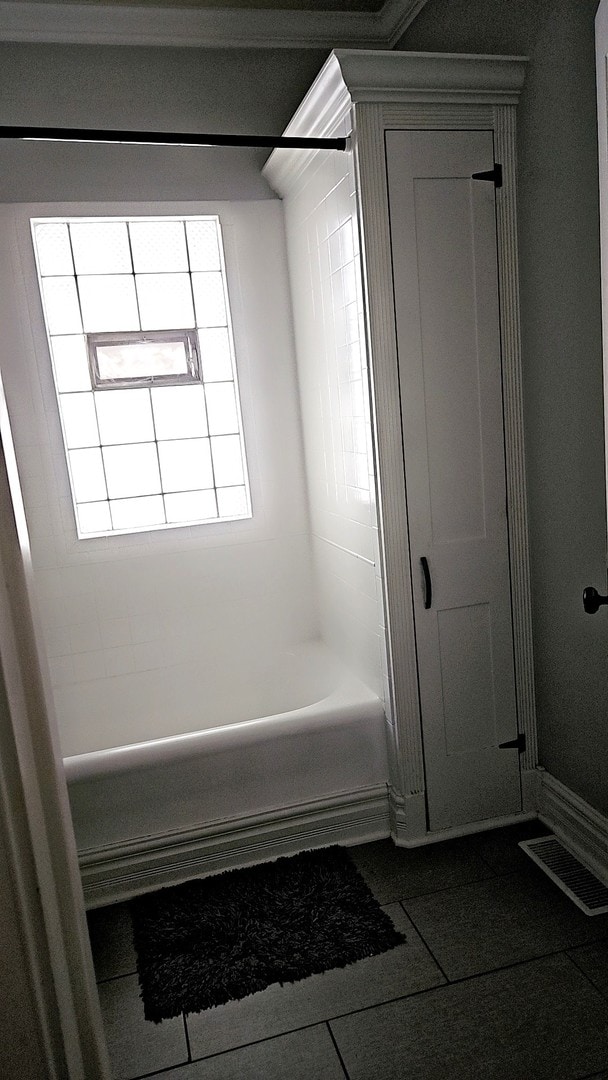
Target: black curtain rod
(166, 138)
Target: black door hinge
(494, 175)
(515, 744)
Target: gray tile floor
(501, 977)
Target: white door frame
(34, 803)
(601, 65)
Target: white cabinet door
(443, 238)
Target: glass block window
(138, 321)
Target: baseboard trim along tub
(120, 871)
(581, 828)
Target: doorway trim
(34, 806)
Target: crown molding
(352, 77)
(387, 77)
(395, 16)
(105, 24)
(326, 111)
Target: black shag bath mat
(218, 939)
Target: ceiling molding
(395, 16)
(104, 24)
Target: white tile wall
(323, 247)
(118, 607)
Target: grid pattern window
(141, 343)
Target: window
(138, 321)
(166, 357)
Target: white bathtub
(313, 735)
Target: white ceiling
(213, 23)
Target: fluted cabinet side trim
(375, 241)
(506, 219)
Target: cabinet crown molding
(352, 77)
(373, 76)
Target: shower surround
(214, 628)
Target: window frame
(189, 338)
(190, 334)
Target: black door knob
(592, 600)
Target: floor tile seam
(166, 1070)
(353, 1012)
(255, 1042)
(448, 985)
(583, 972)
(449, 888)
(187, 1037)
(315, 1023)
(602, 933)
(495, 872)
(515, 964)
(425, 943)
(337, 1049)
(114, 978)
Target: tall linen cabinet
(430, 228)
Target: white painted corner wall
(326, 288)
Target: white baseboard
(530, 785)
(121, 871)
(408, 818)
(583, 830)
(409, 823)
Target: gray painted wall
(236, 91)
(561, 337)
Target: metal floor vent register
(570, 875)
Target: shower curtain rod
(166, 138)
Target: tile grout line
(424, 941)
(187, 1037)
(365, 1008)
(583, 972)
(314, 1023)
(244, 1045)
(495, 970)
(337, 1049)
(492, 876)
(402, 902)
(165, 1071)
(114, 978)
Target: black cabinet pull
(428, 587)
(592, 600)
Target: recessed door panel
(469, 705)
(446, 274)
(443, 237)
